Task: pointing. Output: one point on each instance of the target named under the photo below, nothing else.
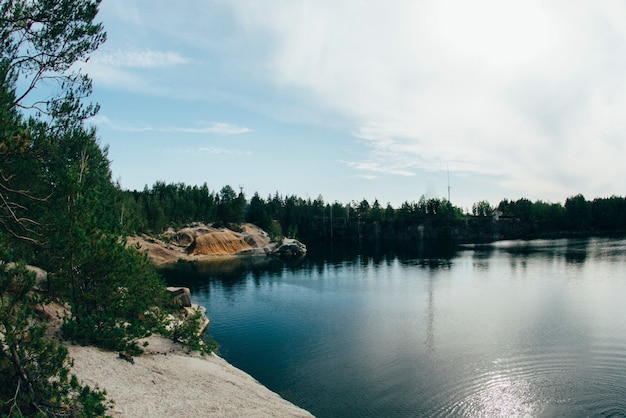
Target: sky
(366, 99)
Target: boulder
(203, 320)
(181, 294)
(256, 240)
(290, 248)
(187, 235)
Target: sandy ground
(167, 382)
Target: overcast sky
(370, 99)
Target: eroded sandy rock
(223, 242)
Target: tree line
(312, 220)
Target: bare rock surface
(167, 382)
(224, 242)
(203, 242)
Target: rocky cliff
(201, 242)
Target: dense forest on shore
(163, 205)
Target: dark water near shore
(517, 328)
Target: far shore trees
(316, 220)
(482, 208)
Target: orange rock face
(219, 243)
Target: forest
(311, 221)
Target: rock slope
(167, 382)
(203, 242)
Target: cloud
(375, 167)
(217, 128)
(218, 151)
(367, 176)
(213, 128)
(138, 70)
(532, 92)
(134, 58)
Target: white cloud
(531, 91)
(219, 151)
(376, 167)
(133, 58)
(213, 128)
(217, 128)
(131, 69)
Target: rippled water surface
(516, 328)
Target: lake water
(515, 328)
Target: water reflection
(576, 251)
(232, 270)
(512, 328)
(381, 252)
(430, 327)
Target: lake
(513, 328)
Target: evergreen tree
(58, 207)
(230, 209)
(41, 42)
(258, 213)
(578, 212)
(34, 370)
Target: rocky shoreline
(166, 381)
(202, 242)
